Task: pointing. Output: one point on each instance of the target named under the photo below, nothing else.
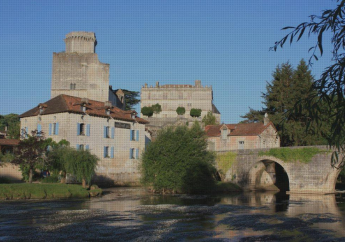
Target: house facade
(115, 136)
(228, 137)
(170, 97)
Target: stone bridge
(254, 171)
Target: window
(224, 134)
(81, 147)
(107, 112)
(107, 135)
(54, 129)
(72, 86)
(106, 151)
(241, 145)
(83, 129)
(83, 108)
(131, 153)
(132, 135)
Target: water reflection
(134, 214)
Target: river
(132, 214)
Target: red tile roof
(10, 142)
(251, 129)
(64, 103)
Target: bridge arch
(269, 173)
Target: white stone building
(117, 137)
(170, 97)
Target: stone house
(115, 136)
(170, 97)
(226, 137)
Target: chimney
(108, 104)
(157, 84)
(266, 119)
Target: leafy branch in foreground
(330, 87)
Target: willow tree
(330, 87)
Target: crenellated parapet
(81, 42)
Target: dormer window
(133, 115)
(41, 110)
(107, 111)
(224, 134)
(83, 108)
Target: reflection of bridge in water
(254, 172)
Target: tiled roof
(10, 142)
(251, 129)
(64, 103)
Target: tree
(82, 164)
(180, 110)
(57, 156)
(329, 88)
(147, 111)
(12, 122)
(282, 93)
(131, 98)
(195, 112)
(157, 108)
(209, 119)
(178, 161)
(30, 152)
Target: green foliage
(11, 121)
(178, 161)
(50, 179)
(225, 162)
(147, 111)
(226, 187)
(131, 99)
(41, 191)
(180, 110)
(209, 119)
(5, 158)
(195, 112)
(157, 108)
(328, 98)
(30, 154)
(287, 88)
(303, 155)
(81, 163)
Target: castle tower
(80, 42)
(78, 72)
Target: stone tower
(78, 72)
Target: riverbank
(45, 191)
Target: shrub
(147, 111)
(209, 119)
(50, 179)
(157, 108)
(178, 161)
(180, 110)
(195, 112)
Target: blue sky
(222, 43)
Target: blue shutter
(87, 147)
(57, 128)
(105, 132)
(78, 146)
(50, 129)
(112, 152)
(131, 134)
(78, 128)
(137, 139)
(39, 128)
(112, 132)
(27, 131)
(137, 154)
(130, 153)
(88, 130)
(104, 150)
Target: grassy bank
(44, 191)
